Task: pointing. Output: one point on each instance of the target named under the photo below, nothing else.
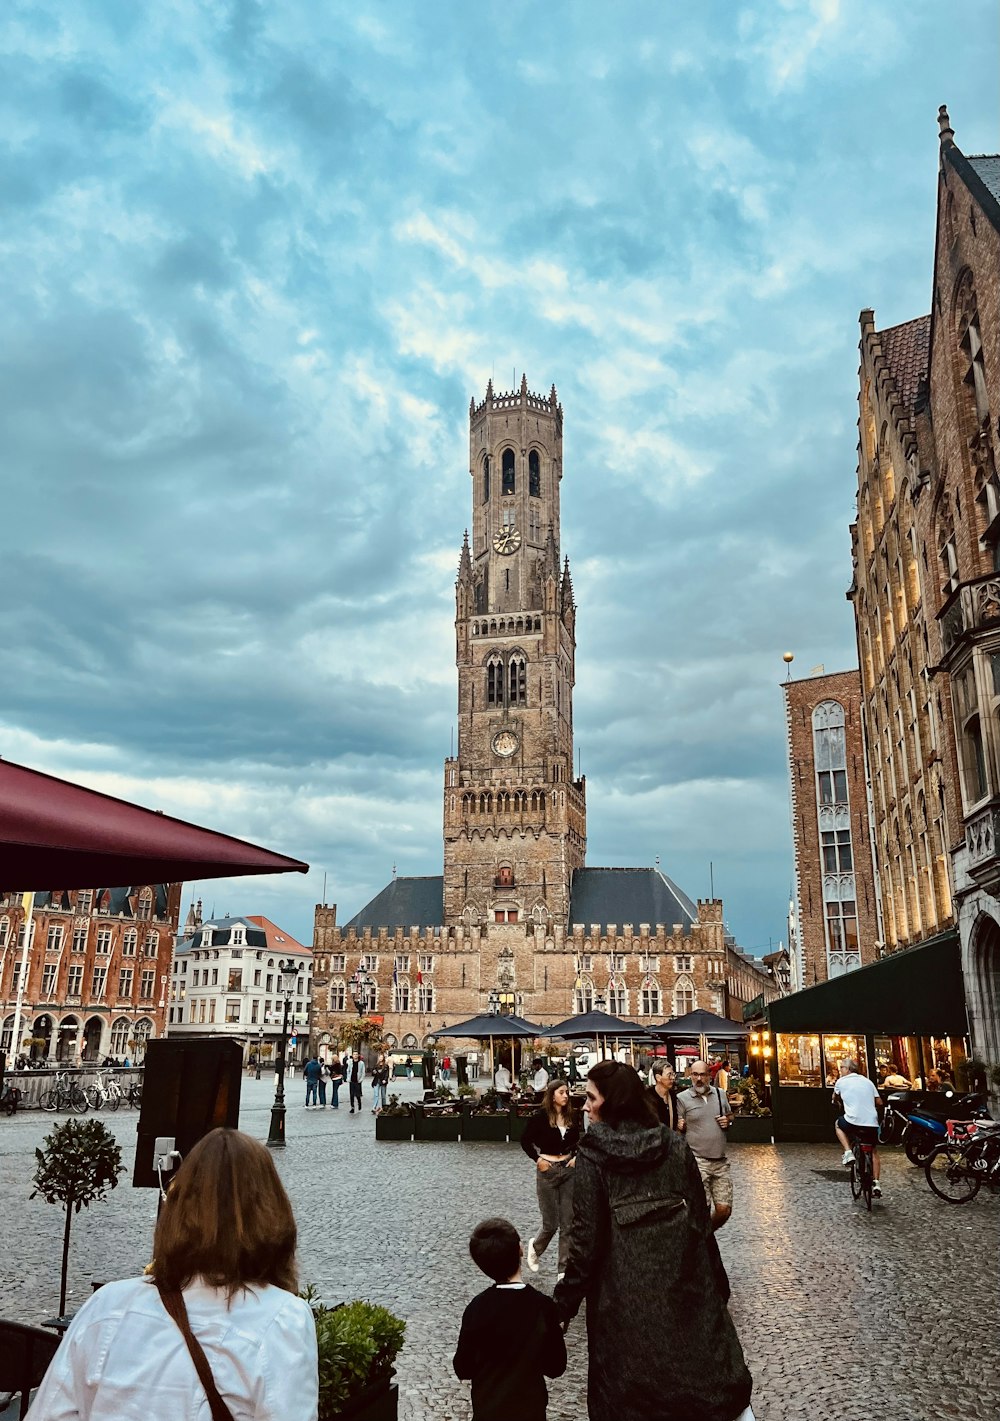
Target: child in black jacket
(511, 1338)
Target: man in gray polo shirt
(704, 1117)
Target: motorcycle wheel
(949, 1177)
(919, 1148)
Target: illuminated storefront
(903, 1018)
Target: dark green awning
(916, 992)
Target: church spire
(550, 558)
(568, 600)
(465, 561)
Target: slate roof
(221, 933)
(987, 166)
(404, 903)
(122, 900)
(628, 895)
(907, 352)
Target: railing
(34, 1084)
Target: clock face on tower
(507, 540)
(505, 742)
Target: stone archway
(92, 1039)
(41, 1037)
(983, 990)
(69, 1040)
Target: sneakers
(876, 1189)
(848, 1157)
(532, 1256)
(560, 1277)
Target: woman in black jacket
(550, 1140)
(641, 1230)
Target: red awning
(54, 834)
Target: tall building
(516, 913)
(926, 594)
(98, 971)
(836, 905)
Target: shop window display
(799, 1060)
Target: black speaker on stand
(188, 1089)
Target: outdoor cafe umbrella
(54, 834)
(488, 1028)
(706, 1025)
(594, 1026)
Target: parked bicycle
(134, 1094)
(970, 1158)
(65, 1095)
(100, 1094)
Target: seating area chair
(25, 1354)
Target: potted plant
(79, 1162)
(395, 1120)
(357, 1344)
(486, 1117)
(751, 1123)
(441, 1120)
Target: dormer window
(239, 937)
(206, 937)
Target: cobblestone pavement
(842, 1314)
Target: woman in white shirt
(224, 1269)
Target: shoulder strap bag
(173, 1301)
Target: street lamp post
(260, 1050)
(289, 974)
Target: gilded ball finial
(788, 657)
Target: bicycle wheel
(113, 1098)
(949, 1176)
(855, 1179)
(93, 1096)
(50, 1100)
(867, 1178)
(78, 1100)
(135, 1096)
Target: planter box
(436, 1127)
(486, 1127)
(516, 1126)
(378, 1402)
(751, 1129)
(394, 1127)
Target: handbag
(173, 1301)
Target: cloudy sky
(257, 258)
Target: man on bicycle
(860, 1107)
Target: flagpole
(28, 904)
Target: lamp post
(362, 989)
(260, 1050)
(289, 974)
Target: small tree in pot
(79, 1162)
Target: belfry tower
(515, 820)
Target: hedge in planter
(357, 1345)
(395, 1121)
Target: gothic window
(583, 996)
(130, 939)
(617, 996)
(507, 472)
(401, 994)
(683, 996)
(649, 998)
(425, 997)
(118, 1045)
(494, 681)
(338, 996)
(947, 553)
(830, 751)
(507, 518)
(534, 524)
(534, 475)
(517, 680)
(971, 348)
(486, 478)
(145, 908)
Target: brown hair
(625, 1098)
(549, 1103)
(226, 1219)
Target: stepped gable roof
(277, 939)
(907, 352)
(404, 903)
(221, 929)
(628, 895)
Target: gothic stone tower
(515, 820)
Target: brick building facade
(516, 912)
(926, 590)
(98, 971)
(837, 907)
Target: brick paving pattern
(842, 1314)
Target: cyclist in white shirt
(860, 1107)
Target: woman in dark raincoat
(641, 1231)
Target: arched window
(517, 680)
(151, 946)
(6, 1034)
(617, 996)
(401, 994)
(507, 472)
(684, 998)
(494, 681)
(425, 997)
(534, 475)
(583, 995)
(120, 1033)
(338, 995)
(145, 907)
(140, 1035)
(486, 478)
(130, 939)
(649, 998)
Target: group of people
(350, 1070)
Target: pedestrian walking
(704, 1115)
(355, 1078)
(550, 1140)
(336, 1081)
(380, 1082)
(663, 1094)
(641, 1230)
(221, 1310)
(409, 1068)
(312, 1074)
(324, 1076)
